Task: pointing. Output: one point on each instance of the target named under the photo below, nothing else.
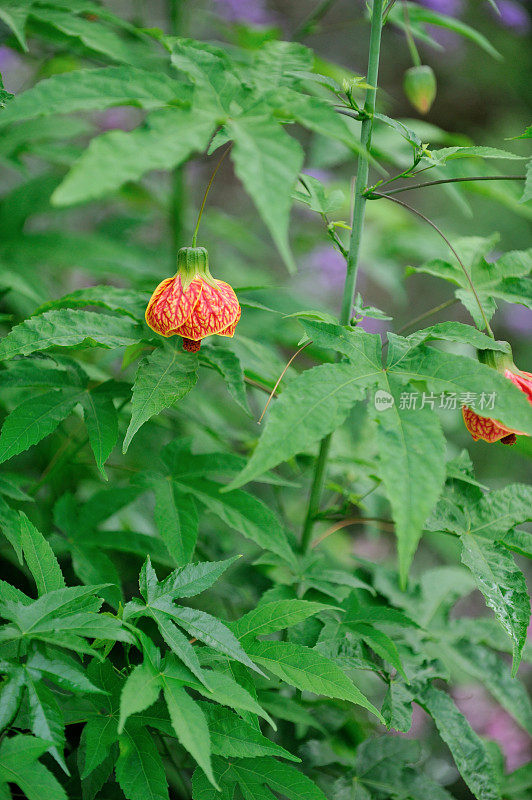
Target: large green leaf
(176, 517)
(232, 737)
(274, 616)
(101, 421)
(312, 406)
(412, 466)
(467, 748)
(19, 765)
(503, 585)
(163, 378)
(498, 511)
(308, 670)
(169, 136)
(275, 63)
(139, 769)
(243, 512)
(492, 670)
(267, 161)
(213, 633)
(253, 773)
(92, 89)
(66, 328)
(35, 418)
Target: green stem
(429, 313)
(177, 177)
(359, 207)
(453, 251)
(414, 55)
(457, 180)
(207, 190)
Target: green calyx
(193, 262)
(498, 359)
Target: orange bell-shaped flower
(193, 304)
(491, 430)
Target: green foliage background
(172, 626)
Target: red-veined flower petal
(170, 306)
(216, 311)
(483, 427)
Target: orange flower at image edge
(489, 429)
(193, 304)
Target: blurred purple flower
(512, 15)
(373, 325)
(513, 741)
(322, 175)
(518, 319)
(252, 11)
(475, 705)
(327, 266)
(372, 549)
(493, 722)
(9, 59)
(118, 118)
(452, 8)
(10, 62)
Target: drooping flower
(491, 430)
(193, 304)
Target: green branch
(359, 207)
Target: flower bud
(419, 84)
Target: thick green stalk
(359, 208)
(177, 177)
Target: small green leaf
(243, 512)
(40, 558)
(189, 724)
(503, 585)
(163, 378)
(139, 692)
(101, 420)
(232, 737)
